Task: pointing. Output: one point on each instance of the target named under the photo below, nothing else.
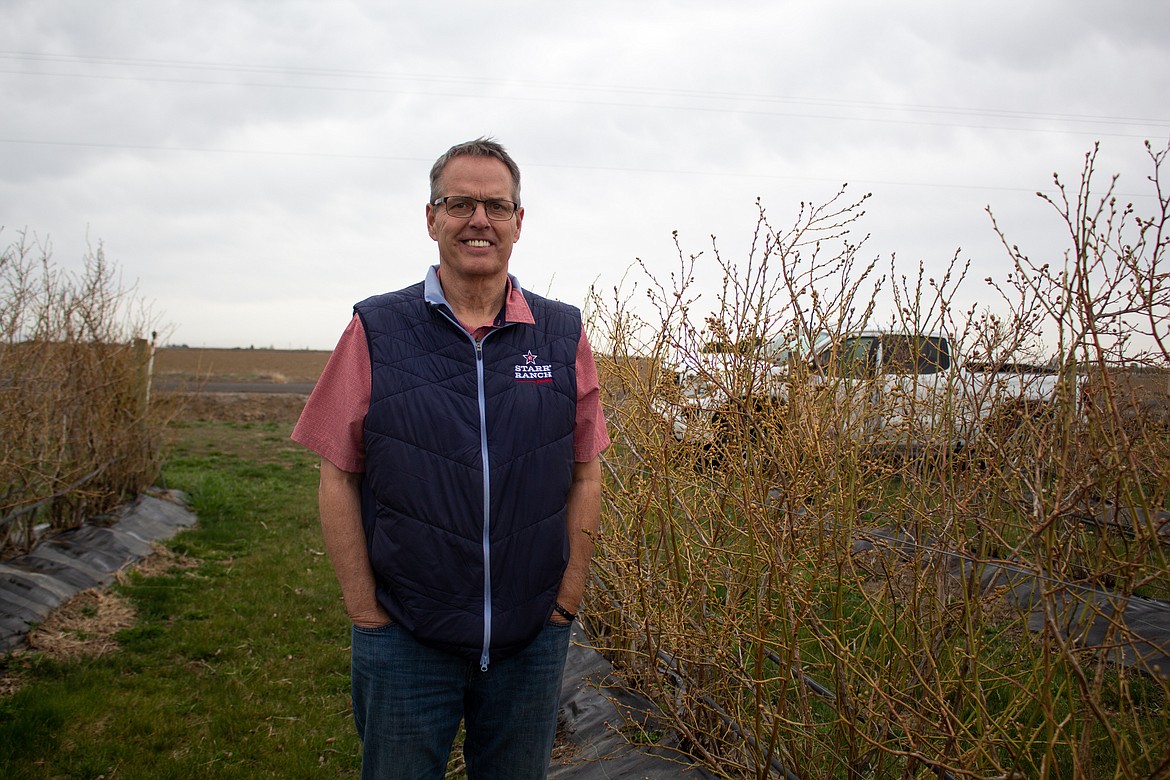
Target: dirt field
(259, 366)
(246, 365)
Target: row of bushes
(798, 604)
(76, 432)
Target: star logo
(532, 372)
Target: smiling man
(459, 427)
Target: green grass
(237, 667)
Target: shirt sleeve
(590, 435)
(333, 421)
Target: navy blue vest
(469, 459)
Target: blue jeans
(408, 700)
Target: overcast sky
(258, 167)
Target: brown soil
(265, 365)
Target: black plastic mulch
(596, 716)
(64, 564)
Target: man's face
(474, 246)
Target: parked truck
(886, 387)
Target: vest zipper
(487, 495)
(481, 392)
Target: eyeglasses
(462, 207)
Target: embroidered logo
(532, 371)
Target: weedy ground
(236, 663)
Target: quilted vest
(469, 459)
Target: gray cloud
(259, 166)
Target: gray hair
(480, 147)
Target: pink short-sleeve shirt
(333, 420)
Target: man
(459, 426)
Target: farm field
(185, 378)
(278, 366)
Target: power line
(210, 150)
(634, 91)
(614, 104)
(532, 164)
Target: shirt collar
(515, 304)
